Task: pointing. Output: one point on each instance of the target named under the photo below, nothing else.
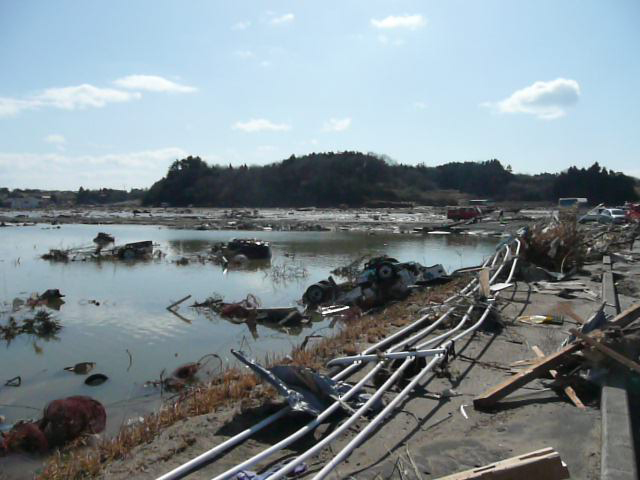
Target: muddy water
(131, 315)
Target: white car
(612, 215)
(592, 215)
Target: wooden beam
(627, 316)
(545, 463)
(610, 352)
(569, 391)
(492, 395)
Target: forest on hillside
(357, 179)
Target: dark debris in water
(42, 325)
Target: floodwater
(132, 337)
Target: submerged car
(612, 215)
(252, 248)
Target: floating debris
(81, 368)
(96, 379)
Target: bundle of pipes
(441, 345)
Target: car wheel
(385, 271)
(315, 294)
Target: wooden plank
(610, 352)
(569, 391)
(541, 464)
(627, 316)
(492, 395)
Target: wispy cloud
(242, 25)
(419, 105)
(57, 170)
(13, 106)
(152, 83)
(337, 124)
(546, 100)
(56, 139)
(244, 54)
(386, 40)
(260, 125)
(83, 96)
(282, 19)
(78, 97)
(410, 22)
(67, 98)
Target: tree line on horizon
(358, 179)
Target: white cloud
(60, 171)
(152, 83)
(419, 105)
(546, 100)
(242, 25)
(67, 98)
(82, 96)
(282, 19)
(410, 22)
(265, 63)
(337, 124)
(244, 54)
(260, 125)
(13, 106)
(55, 139)
(385, 40)
(266, 148)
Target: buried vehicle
(251, 248)
(382, 279)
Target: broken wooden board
(541, 464)
(626, 317)
(608, 351)
(511, 384)
(569, 391)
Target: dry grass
(79, 461)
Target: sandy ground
(439, 439)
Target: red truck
(463, 213)
(633, 213)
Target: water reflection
(115, 312)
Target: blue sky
(110, 93)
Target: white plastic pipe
(202, 459)
(383, 356)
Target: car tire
(315, 294)
(385, 271)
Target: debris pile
(600, 345)
(557, 245)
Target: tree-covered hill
(357, 179)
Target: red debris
(26, 437)
(186, 371)
(63, 420)
(67, 418)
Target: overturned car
(381, 280)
